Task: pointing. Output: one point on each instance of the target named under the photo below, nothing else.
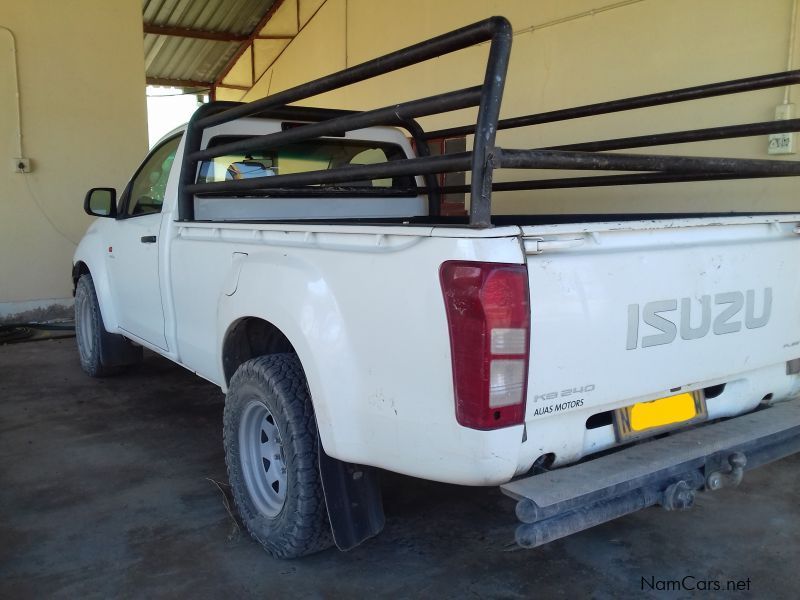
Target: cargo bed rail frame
(485, 156)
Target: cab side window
(149, 185)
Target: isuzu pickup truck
(590, 365)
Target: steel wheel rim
(263, 464)
(85, 328)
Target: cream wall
(567, 53)
(81, 82)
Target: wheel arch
(297, 308)
(102, 287)
(250, 337)
(78, 269)
(357, 513)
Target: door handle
(148, 239)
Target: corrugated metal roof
(176, 57)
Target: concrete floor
(108, 490)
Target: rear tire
(270, 437)
(101, 353)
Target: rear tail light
(488, 314)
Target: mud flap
(353, 498)
(117, 351)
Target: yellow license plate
(664, 413)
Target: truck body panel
(639, 312)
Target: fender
(352, 492)
(92, 252)
(307, 313)
(382, 387)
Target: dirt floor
(111, 488)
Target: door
(134, 253)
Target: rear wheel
(101, 353)
(271, 452)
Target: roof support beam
(249, 41)
(200, 34)
(181, 83)
(234, 87)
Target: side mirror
(101, 202)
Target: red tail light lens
(488, 314)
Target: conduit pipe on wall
(15, 75)
(574, 17)
(790, 59)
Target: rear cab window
(302, 157)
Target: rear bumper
(664, 471)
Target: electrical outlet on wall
(22, 165)
(782, 143)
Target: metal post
(480, 208)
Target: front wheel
(101, 353)
(270, 438)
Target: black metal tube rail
(559, 159)
(502, 186)
(497, 30)
(723, 88)
(388, 115)
(413, 166)
(304, 113)
(479, 32)
(485, 156)
(679, 137)
(604, 181)
(300, 113)
(480, 212)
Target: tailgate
(633, 311)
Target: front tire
(270, 438)
(101, 353)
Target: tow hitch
(716, 480)
(667, 472)
(680, 495)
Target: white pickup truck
(298, 259)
